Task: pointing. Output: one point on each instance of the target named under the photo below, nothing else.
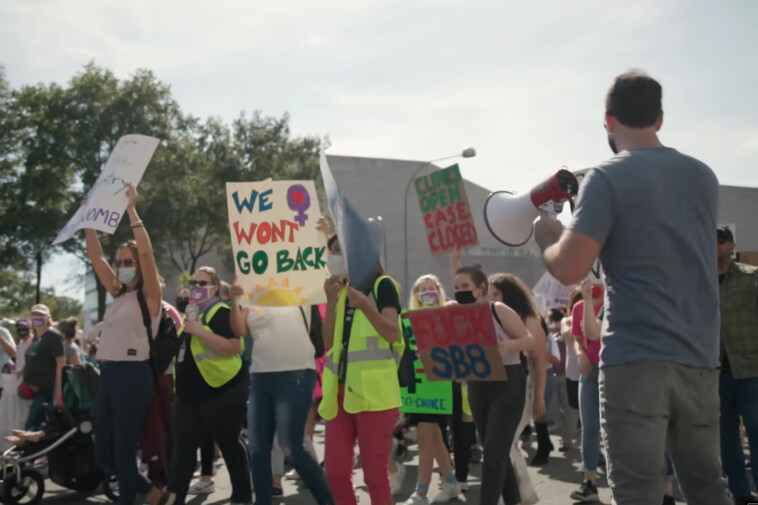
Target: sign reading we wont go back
(446, 211)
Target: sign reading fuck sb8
(446, 211)
(279, 256)
(457, 342)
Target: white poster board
(279, 256)
(107, 199)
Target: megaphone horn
(510, 218)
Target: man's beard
(612, 144)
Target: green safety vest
(371, 382)
(216, 370)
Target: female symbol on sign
(299, 200)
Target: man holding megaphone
(649, 214)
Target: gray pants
(497, 407)
(650, 407)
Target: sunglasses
(199, 283)
(128, 262)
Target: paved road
(553, 482)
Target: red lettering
(293, 228)
(463, 215)
(264, 233)
(428, 220)
(432, 242)
(242, 235)
(278, 231)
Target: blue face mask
(127, 275)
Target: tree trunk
(38, 259)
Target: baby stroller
(67, 444)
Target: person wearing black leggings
(211, 392)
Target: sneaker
(463, 486)
(449, 493)
(201, 486)
(396, 480)
(587, 492)
(668, 500)
(292, 475)
(417, 499)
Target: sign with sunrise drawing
(279, 256)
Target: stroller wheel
(110, 487)
(26, 490)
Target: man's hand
(547, 230)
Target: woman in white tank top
(126, 379)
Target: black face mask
(465, 297)
(181, 304)
(23, 332)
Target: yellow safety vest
(465, 405)
(371, 382)
(216, 370)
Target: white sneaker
(396, 479)
(463, 486)
(292, 475)
(202, 487)
(417, 499)
(448, 493)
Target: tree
(201, 158)
(102, 110)
(39, 176)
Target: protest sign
(279, 256)
(360, 239)
(447, 215)
(107, 199)
(422, 396)
(552, 293)
(457, 342)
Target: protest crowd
(648, 374)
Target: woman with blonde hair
(211, 391)
(428, 293)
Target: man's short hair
(724, 235)
(634, 99)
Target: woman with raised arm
(361, 391)
(127, 382)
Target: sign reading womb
(447, 215)
(279, 256)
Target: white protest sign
(279, 256)
(107, 199)
(551, 293)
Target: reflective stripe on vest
(371, 353)
(216, 370)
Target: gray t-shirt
(655, 212)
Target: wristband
(138, 224)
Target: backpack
(165, 346)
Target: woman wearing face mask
(427, 293)
(361, 393)
(126, 379)
(44, 366)
(497, 405)
(211, 391)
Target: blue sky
(522, 82)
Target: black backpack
(165, 345)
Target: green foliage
(55, 140)
(17, 295)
